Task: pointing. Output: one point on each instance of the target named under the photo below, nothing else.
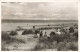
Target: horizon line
(20, 20)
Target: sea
(9, 26)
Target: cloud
(40, 10)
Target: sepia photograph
(39, 26)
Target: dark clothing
(71, 30)
(41, 34)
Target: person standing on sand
(41, 34)
(34, 31)
(45, 35)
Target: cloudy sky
(40, 10)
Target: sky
(40, 10)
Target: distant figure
(63, 31)
(41, 34)
(19, 28)
(36, 32)
(48, 25)
(67, 29)
(58, 32)
(45, 35)
(34, 29)
(52, 34)
(71, 30)
(76, 26)
(54, 30)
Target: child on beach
(45, 35)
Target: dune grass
(27, 32)
(9, 39)
(69, 43)
(66, 42)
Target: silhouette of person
(45, 35)
(41, 33)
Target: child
(45, 35)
